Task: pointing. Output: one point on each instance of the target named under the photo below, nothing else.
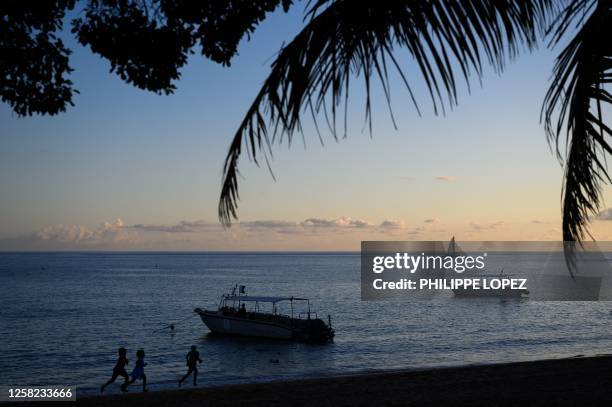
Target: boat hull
(229, 325)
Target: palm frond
(573, 107)
(343, 40)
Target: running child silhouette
(138, 372)
(193, 358)
(118, 370)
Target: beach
(559, 382)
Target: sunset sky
(129, 170)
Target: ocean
(63, 316)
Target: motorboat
(245, 315)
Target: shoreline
(568, 381)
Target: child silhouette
(193, 358)
(138, 372)
(118, 370)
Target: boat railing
(254, 315)
(269, 317)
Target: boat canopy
(246, 298)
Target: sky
(125, 169)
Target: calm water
(63, 316)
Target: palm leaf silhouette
(344, 39)
(573, 106)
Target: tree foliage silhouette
(148, 42)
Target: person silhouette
(242, 311)
(193, 358)
(138, 372)
(119, 369)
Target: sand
(559, 382)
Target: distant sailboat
(469, 292)
(452, 247)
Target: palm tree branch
(572, 108)
(344, 39)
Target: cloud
(343, 222)
(279, 226)
(180, 227)
(605, 214)
(268, 224)
(64, 233)
(428, 227)
(392, 224)
(487, 226)
(105, 232)
(537, 221)
(311, 233)
(448, 178)
(78, 233)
